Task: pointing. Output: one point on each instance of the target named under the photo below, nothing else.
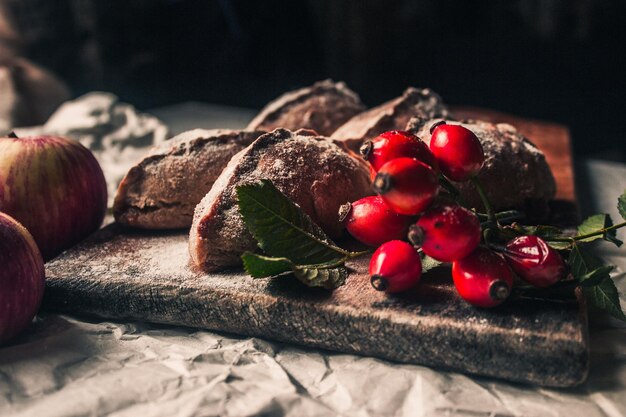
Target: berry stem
(483, 197)
(339, 262)
(587, 235)
(449, 187)
(497, 247)
(329, 265)
(352, 255)
(12, 135)
(503, 216)
(445, 183)
(347, 256)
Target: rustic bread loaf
(515, 173)
(323, 107)
(424, 104)
(314, 172)
(162, 190)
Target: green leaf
(582, 262)
(328, 275)
(611, 235)
(621, 205)
(329, 278)
(605, 297)
(596, 276)
(592, 224)
(259, 266)
(295, 244)
(429, 263)
(597, 285)
(559, 245)
(595, 224)
(281, 228)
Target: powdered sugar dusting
(324, 106)
(162, 191)
(315, 173)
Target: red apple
(22, 279)
(53, 186)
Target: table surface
(78, 366)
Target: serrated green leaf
(328, 275)
(429, 263)
(588, 269)
(329, 278)
(293, 241)
(281, 229)
(596, 276)
(611, 235)
(558, 245)
(259, 266)
(582, 262)
(621, 205)
(592, 224)
(605, 297)
(595, 224)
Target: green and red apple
(53, 186)
(22, 279)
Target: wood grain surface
(124, 274)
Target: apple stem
(13, 135)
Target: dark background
(554, 60)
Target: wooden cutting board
(141, 275)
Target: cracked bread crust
(311, 170)
(424, 104)
(515, 173)
(162, 191)
(322, 107)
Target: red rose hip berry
(457, 150)
(535, 261)
(371, 221)
(396, 144)
(482, 278)
(407, 185)
(395, 267)
(447, 232)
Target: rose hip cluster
(406, 178)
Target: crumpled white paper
(70, 367)
(116, 132)
(66, 366)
